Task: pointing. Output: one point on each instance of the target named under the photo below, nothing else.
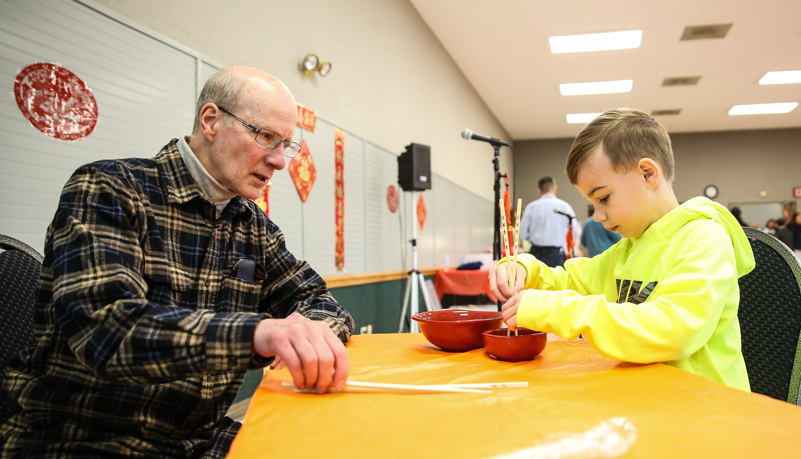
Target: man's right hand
(314, 355)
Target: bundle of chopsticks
(511, 257)
(371, 387)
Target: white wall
(391, 81)
(145, 83)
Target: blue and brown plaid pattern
(143, 329)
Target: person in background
(794, 225)
(668, 291)
(770, 227)
(545, 225)
(595, 237)
(738, 215)
(784, 234)
(163, 283)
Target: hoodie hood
(703, 208)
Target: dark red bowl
(525, 346)
(457, 330)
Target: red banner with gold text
(339, 196)
(302, 171)
(307, 118)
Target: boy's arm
(531, 274)
(674, 321)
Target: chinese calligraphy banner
(339, 194)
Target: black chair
(20, 265)
(770, 318)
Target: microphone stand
(496, 241)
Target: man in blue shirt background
(545, 222)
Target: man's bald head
(227, 87)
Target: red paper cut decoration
(307, 118)
(302, 171)
(392, 198)
(263, 201)
(421, 211)
(56, 101)
(339, 196)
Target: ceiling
(501, 46)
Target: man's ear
(650, 171)
(210, 121)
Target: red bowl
(457, 330)
(525, 346)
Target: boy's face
(620, 199)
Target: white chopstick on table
(476, 388)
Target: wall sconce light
(311, 63)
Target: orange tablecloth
(571, 389)
(462, 282)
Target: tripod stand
(414, 280)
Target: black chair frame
(770, 318)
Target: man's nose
(276, 157)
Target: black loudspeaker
(414, 168)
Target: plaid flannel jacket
(143, 329)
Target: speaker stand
(414, 280)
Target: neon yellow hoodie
(670, 295)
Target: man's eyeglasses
(266, 137)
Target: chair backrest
(20, 265)
(770, 318)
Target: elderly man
(162, 283)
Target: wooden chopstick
(474, 388)
(402, 388)
(505, 237)
(500, 385)
(517, 240)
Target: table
(571, 389)
(463, 282)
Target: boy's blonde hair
(627, 135)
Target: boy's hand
(510, 311)
(499, 281)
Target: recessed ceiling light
(595, 41)
(790, 76)
(581, 118)
(762, 109)
(597, 87)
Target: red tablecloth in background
(462, 282)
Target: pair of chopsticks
(476, 388)
(511, 261)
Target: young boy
(667, 292)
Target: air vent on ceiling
(681, 81)
(703, 32)
(670, 111)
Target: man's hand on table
(314, 355)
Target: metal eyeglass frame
(290, 148)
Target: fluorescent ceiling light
(761, 109)
(597, 87)
(595, 41)
(581, 118)
(790, 76)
